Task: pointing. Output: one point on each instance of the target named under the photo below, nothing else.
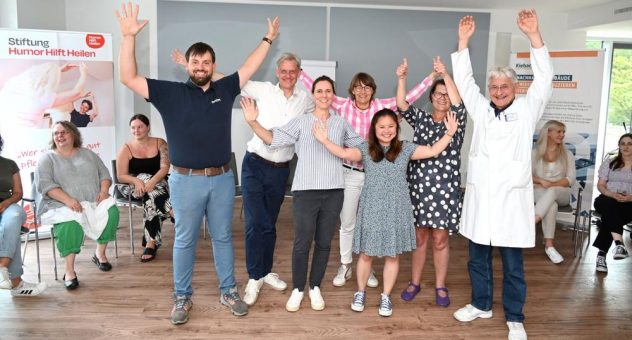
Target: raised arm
(255, 59)
(350, 154)
(425, 151)
(95, 108)
(77, 91)
(467, 26)
(528, 24)
(400, 97)
(250, 114)
(130, 26)
(453, 92)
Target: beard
(200, 81)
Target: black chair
(30, 207)
(129, 202)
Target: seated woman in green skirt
(74, 184)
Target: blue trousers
(192, 197)
(263, 189)
(482, 277)
(11, 220)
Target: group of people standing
(392, 197)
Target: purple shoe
(443, 301)
(408, 296)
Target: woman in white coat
(498, 207)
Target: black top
(8, 168)
(197, 123)
(78, 119)
(149, 165)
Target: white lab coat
(498, 205)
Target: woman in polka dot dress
(434, 183)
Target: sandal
(409, 295)
(103, 266)
(443, 301)
(148, 251)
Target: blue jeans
(192, 197)
(481, 275)
(263, 189)
(11, 220)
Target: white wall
(98, 16)
(8, 14)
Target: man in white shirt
(264, 171)
(498, 204)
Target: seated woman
(553, 175)
(317, 186)
(144, 163)
(74, 183)
(615, 202)
(12, 217)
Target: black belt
(212, 171)
(270, 163)
(352, 168)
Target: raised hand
(128, 20)
(320, 131)
(250, 109)
(178, 57)
(450, 123)
(438, 66)
(467, 26)
(402, 69)
(273, 28)
(528, 21)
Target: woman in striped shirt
(317, 186)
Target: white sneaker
(553, 255)
(372, 282)
(620, 252)
(28, 289)
(344, 274)
(273, 280)
(5, 281)
(516, 331)
(294, 302)
(316, 299)
(251, 293)
(469, 313)
(359, 299)
(386, 306)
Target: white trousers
(354, 180)
(546, 203)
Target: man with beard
(197, 120)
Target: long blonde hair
(541, 145)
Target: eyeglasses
(439, 95)
(502, 88)
(60, 133)
(362, 88)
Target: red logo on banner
(95, 40)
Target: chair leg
(205, 227)
(52, 241)
(116, 244)
(26, 245)
(37, 251)
(131, 226)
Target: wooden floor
(132, 301)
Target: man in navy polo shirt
(197, 120)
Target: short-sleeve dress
(435, 182)
(385, 218)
